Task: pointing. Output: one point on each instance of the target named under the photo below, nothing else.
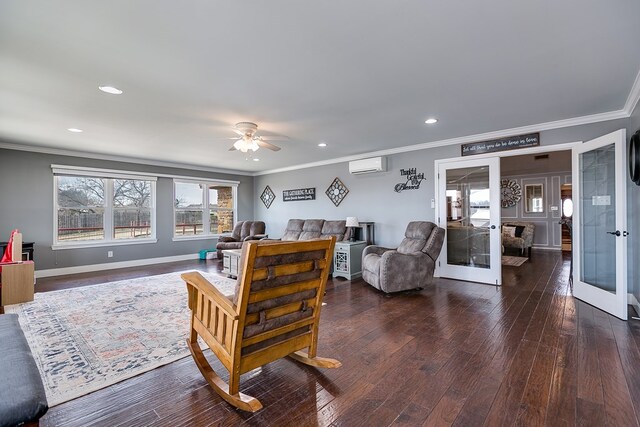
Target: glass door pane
(468, 217)
(469, 210)
(600, 222)
(598, 214)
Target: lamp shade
(352, 221)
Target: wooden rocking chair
(275, 313)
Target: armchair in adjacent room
(411, 265)
(242, 232)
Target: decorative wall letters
(413, 180)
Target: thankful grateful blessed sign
(502, 144)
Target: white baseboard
(632, 300)
(112, 265)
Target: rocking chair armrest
(196, 280)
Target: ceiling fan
(249, 141)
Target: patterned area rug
(88, 338)
(514, 261)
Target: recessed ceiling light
(75, 130)
(110, 89)
(322, 144)
(255, 159)
(431, 121)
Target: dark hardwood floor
(455, 353)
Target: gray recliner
(411, 265)
(242, 232)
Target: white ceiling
(361, 76)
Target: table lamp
(352, 222)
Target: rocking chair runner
(275, 313)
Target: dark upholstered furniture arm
(405, 271)
(22, 395)
(255, 237)
(226, 239)
(373, 249)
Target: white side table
(347, 259)
(231, 261)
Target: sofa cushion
(416, 236)
(293, 230)
(336, 228)
(312, 229)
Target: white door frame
(524, 151)
(615, 304)
(493, 274)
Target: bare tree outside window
(131, 209)
(80, 208)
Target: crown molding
(557, 124)
(634, 96)
(115, 158)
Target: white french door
(600, 223)
(469, 210)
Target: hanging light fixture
(245, 144)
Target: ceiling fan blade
(274, 138)
(265, 144)
(238, 131)
(232, 148)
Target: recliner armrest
(226, 239)
(373, 249)
(255, 237)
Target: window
(100, 210)
(203, 208)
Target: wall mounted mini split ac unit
(371, 165)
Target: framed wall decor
(267, 196)
(337, 191)
(510, 191)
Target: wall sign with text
(299, 194)
(413, 180)
(502, 144)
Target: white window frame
(205, 183)
(109, 175)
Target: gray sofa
(307, 229)
(411, 265)
(22, 395)
(523, 240)
(242, 232)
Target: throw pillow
(509, 231)
(519, 230)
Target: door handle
(615, 233)
(493, 227)
(625, 233)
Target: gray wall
(26, 202)
(633, 210)
(548, 233)
(372, 198)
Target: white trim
(634, 97)
(101, 173)
(196, 237)
(115, 158)
(117, 173)
(112, 265)
(101, 244)
(632, 300)
(558, 124)
(546, 248)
